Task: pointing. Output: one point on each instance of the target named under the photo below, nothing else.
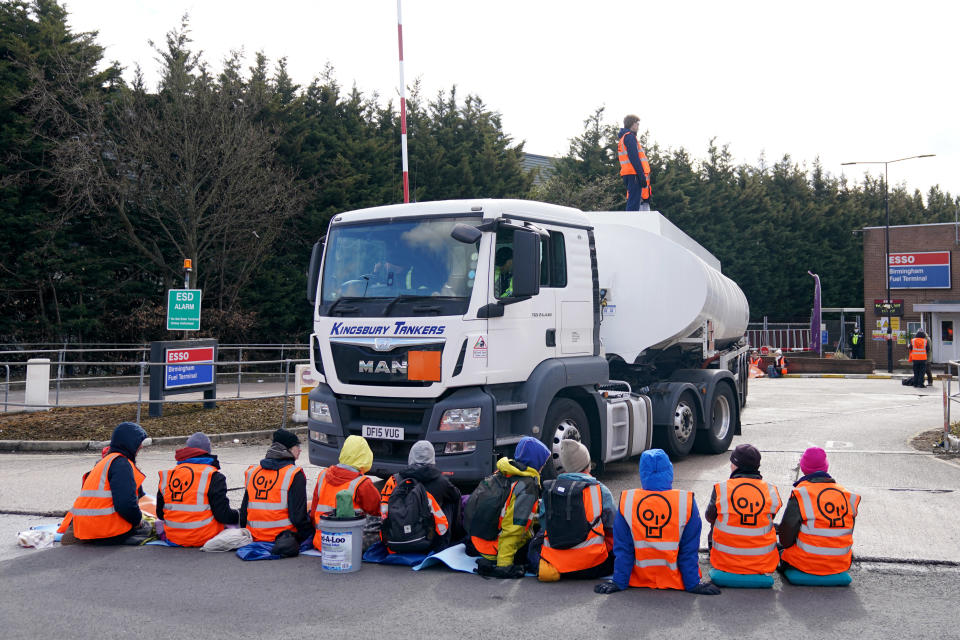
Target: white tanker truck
(473, 323)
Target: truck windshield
(401, 267)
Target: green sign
(183, 310)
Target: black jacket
(296, 500)
(126, 441)
(216, 493)
(790, 524)
(442, 490)
(710, 514)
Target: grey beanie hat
(198, 440)
(422, 453)
(574, 457)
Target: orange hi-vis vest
(744, 540)
(94, 516)
(267, 490)
(657, 520)
(325, 499)
(825, 541)
(187, 517)
(918, 349)
(440, 522)
(626, 167)
(589, 553)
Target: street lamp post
(888, 306)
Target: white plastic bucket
(341, 548)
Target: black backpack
(481, 514)
(566, 517)
(409, 527)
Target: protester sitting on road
(192, 497)
(576, 539)
(779, 366)
(816, 532)
(263, 511)
(356, 458)
(401, 527)
(656, 534)
(742, 540)
(108, 510)
(500, 514)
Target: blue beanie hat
(531, 452)
(656, 470)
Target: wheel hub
(683, 422)
(721, 417)
(566, 429)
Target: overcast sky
(843, 80)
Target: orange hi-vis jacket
(187, 517)
(657, 520)
(744, 540)
(267, 490)
(825, 542)
(918, 349)
(325, 499)
(440, 522)
(94, 516)
(626, 167)
(589, 553)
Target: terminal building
(924, 290)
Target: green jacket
(519, 513)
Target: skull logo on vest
(180, 482)
(263, 481)
(834, 507)
(748, 501)
(654, 513)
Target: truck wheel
(565, 419)
(677, 438)
(717, 436)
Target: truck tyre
(565, 419)
(677, 438)
(717, 436)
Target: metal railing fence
(138, 369)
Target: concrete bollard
(38, 385)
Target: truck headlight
(460, 447)
(460, 419)
(319, 438)
(320, 411)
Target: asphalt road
(84, 592)
(909, 515)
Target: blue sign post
(182, 366)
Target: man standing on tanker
(634, 167)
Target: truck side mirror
(313, 271)
(526, 264)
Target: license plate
(382, 433)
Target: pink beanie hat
(813, 459)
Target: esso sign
(908, 258)
(192, 354)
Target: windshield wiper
(402, 296)
(345, 309)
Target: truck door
(572, 277)
(526, 333)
